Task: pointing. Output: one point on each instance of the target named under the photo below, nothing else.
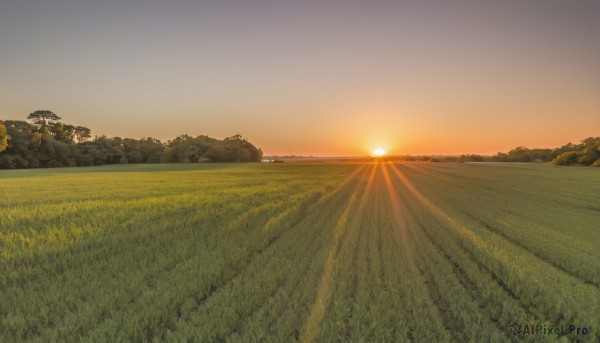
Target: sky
(322, 78)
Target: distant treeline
(45, 141)
(586, 153)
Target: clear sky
(311, 77)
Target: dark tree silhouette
(43, 118)
(47, 142)
(82, 133)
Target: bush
(22, 162)
(54, 164)
(566, 158)
(596, 164)
(34, 163)
(8, 161)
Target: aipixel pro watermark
(517, 329)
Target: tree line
(586, 153)
(45, 141)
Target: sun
(378, 152)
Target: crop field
(423, 252)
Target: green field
(424, 252)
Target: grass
(309, 252)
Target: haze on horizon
(311, 78)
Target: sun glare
(378, 152)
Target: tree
(82, 133)
(45, 141)
(519, 154)
(470, 158)
(558, 151)
(68, 133)
(241, 150)
(19, 132)
(217, 153)
(3, 137)
(58, 131)
(43, 118)
(151, 149)
(178, 140)
(591, 151)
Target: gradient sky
(311, 77)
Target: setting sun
(378, 152)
